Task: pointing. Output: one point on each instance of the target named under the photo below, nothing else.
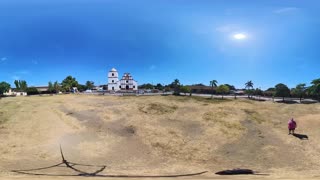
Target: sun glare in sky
(239, 36)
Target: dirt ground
(157, 135)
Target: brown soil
(157, 135)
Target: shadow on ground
(301, 136)
(287, 102)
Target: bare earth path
(159, 135)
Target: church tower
(113, 78)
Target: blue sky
(160, 40)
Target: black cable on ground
(71, 165)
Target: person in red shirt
(292, 125)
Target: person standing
(292, 125)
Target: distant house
(42, 88)
(21, 93)
(237, 92)
(74, 90)
(125, 83)
(201, 89)
(13, 93)
(97, 88)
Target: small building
(239, 92)
(97, 88)
(74, 90)
(13, 93)
(9, 93)
(202, 89)
(126, 83)
(42, 88)
(21, 93)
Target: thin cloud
(18, 74)
(15, 77)
(3, 59)
(152, 67)
(286, 10)
(226, 28)
(35, 62)
(22, 72)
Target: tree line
(280, 90)
(66, 85)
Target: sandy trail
(157, 135)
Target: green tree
(282, 90)
(17, 84)
(21, 85)
(146, 86)
(82, 87)
(159, 87)
(32, 91)
(56, 87)
(258, 92)
(271, 89)
(223, 89)
(299, 91)
(68, 83)
(166, 89)
(213, 84)
(270, 92)
(176, 87)
(231, 87)
(185, 89)
(315, 88)
(50, 87)
(249, 87)
(200, 84)
(89, 84)
(4, 87)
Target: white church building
(126, 83)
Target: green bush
(32, 91)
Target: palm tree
(249, 85)
(213, 83)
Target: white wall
(21, 93)
(114, 83)
(12, 93)
(135, 84)
(113, 78)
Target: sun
(239, 36)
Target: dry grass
(225, 121)
(157, 134)
(8, 109)
(254, 116)
(157, 108)
(206, 100)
